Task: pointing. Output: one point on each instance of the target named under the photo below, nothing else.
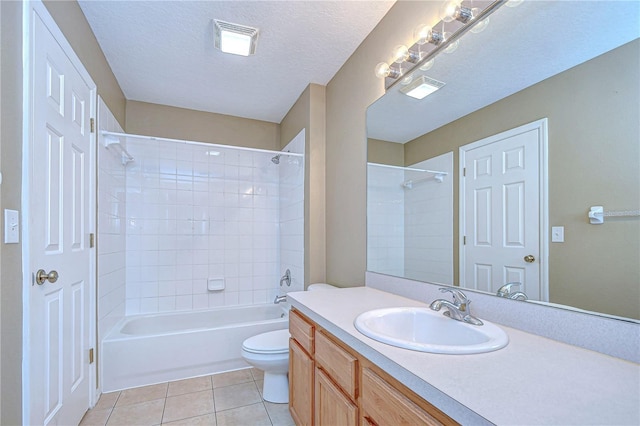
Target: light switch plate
(557, 234)
(11, 226)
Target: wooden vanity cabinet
(336, 383)
(331, 384)
(332, 407)
(301, 369)
(383, 404)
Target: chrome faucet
(459, 310)
(505, 291)
(280, 299)
(286, 278)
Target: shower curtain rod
(187, 142)
(411, 169)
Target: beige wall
(179, 123)
(10, 164)
(73, 24)
(309, 113)
(383, 152)
(594, 159)
(349, 94)
(77, 31)
(0, 208)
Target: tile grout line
(112, 408)
(164, 406)
(215, 412)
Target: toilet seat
(272, 342)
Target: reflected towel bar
(597, 214)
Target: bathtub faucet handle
(286, 278)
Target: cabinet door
(300, 385)
(340, 365)
(332, 407)
(382, 404)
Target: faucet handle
(505, 290)
(458, 296)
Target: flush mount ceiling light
(422, 87)
(235, 39)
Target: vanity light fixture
(422, 87)
(384, 70)
(453, 10)
(429, 42)
(402, 53)
(425, 34)
(235, 39)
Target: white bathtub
(147, 349)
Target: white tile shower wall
(111, 241)
(385, 219)
(291, 174)
(196, 212)
(428, 222)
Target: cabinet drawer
(382, 404)
(339, 364)
(301, 330)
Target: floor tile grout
(255, 378)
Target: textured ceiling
(521, 47)
(162, 51)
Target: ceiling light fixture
(422, 87)
(235, 39)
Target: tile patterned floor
(225, 399)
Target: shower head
(276, 159)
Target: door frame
(29, 9)
(543, 186)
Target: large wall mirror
(569, 70)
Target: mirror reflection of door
(502, 212)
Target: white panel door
(500, 212)
(62, 180)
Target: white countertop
(533, 380)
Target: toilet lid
(272, 342)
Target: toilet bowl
(270, 352)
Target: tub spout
(279, 299)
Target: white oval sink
(424, 330)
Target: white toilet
(270, 352)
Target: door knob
(529, 258)
(42, 276)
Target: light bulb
(408, 79)
(382, 70)
(422, 33)
(480, 26)
(427, 65)
(452, 47)
(448, 10)
(453, 10)
(400, 54)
